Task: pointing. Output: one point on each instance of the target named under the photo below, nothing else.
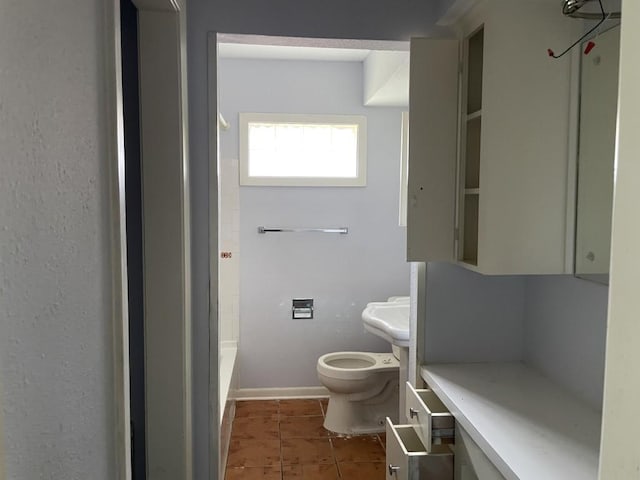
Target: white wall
(472, 317)
(565, 329)
(55, 320)
(341, 272)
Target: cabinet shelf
(474, 115)
(527, 426)
(472, 191)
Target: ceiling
(385, 63)
(289, 48)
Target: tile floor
(285, 439)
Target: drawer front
(407, 458)
(433, 422)
(397, 465)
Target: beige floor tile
(358, 449)
(303, 427)
(310, 472)
(362, 471)
(299, 408)
(255, 427)
(248, 452)
(311, 451)
(257, 408)
(253, 473)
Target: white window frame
(360, 180)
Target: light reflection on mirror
(596, 154)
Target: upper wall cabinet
(489, 139)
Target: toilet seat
(356, 365)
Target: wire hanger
(602, 20)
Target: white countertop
(528, 426)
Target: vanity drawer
(433, 422)
(407, 458)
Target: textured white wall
(55, 325)
(341, 272)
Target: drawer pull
(393, 469)
(413, 412)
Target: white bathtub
(228, 351)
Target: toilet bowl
(363, 390)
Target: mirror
(596, 155)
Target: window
(302, 150)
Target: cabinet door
(433, 119)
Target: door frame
(167, 248)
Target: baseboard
(278, 393)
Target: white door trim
(166, 212)
(120, 305)
(215, 466)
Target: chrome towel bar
(341, 230)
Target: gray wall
(473, 317)
(55, 299)
(364, 19)
(565, 333)
(341, 272)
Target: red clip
(589, 47)
(550, 52)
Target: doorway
(260, 274)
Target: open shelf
(474, 115)
(529, 427)
(475, 47)
(472, 153)
(470, 168)
(470, 230)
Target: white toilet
(363, 390)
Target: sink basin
(389, 320)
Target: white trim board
(280, 393)
(166, 200)
(119, 284)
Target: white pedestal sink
(390, 320)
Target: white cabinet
(488, 141)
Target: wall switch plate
(302, 308)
